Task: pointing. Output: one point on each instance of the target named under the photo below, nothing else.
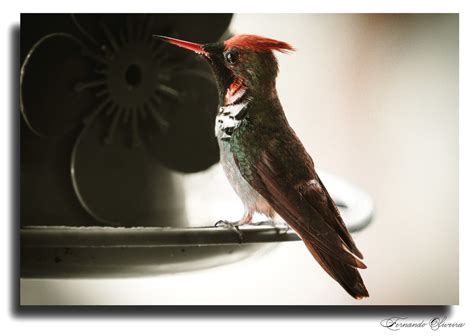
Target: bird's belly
(251, 199)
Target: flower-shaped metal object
(107, 111)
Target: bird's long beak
(196, 47)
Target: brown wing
(284, 175)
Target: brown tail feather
(347, 275)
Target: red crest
(257, 43)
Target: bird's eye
(232, 57)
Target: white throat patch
(226, 121)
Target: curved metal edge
(50, 236)
(73, 175)
(22, 75)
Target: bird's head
(243, 63)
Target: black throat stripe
(242, 113)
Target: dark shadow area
(293, 312)
(14, 225)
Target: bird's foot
(285, 229)
(227, 224)
(232, 226)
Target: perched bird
(265, 161)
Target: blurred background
(374, 98)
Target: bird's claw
(231, 225)
(285, 229)
(225, 224)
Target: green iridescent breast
(243, 146)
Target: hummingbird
(263, 158)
